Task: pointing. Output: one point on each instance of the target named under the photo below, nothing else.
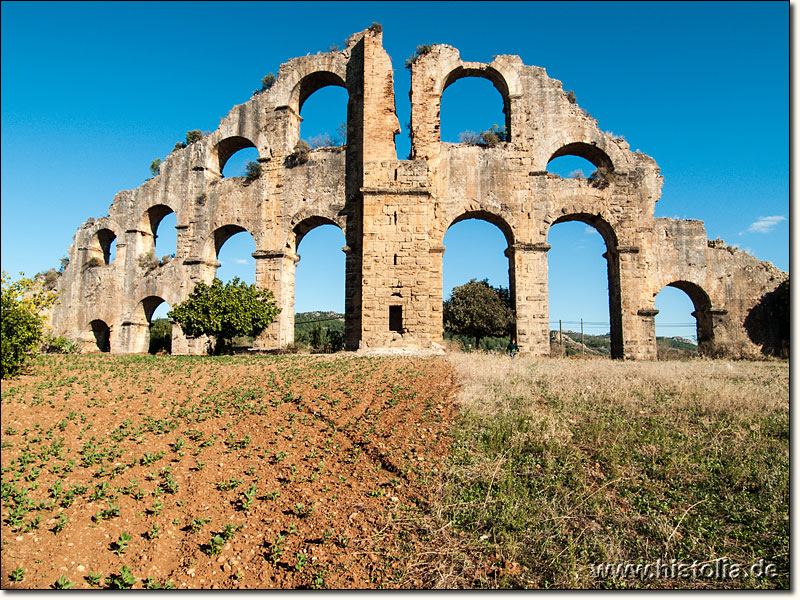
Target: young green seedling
(121, 544)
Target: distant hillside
(600, 345)
(327, 321)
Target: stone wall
(395, 213)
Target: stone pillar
(647, 349)
(630, 337)
(528, 283)
(275, 272)
(436, 318)
(133, 338)
(183, 345)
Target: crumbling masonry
(394, 214)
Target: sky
(93, 92)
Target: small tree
(341, 134)
(323, 140)
(225, 312)
(252, 170)
(478, 310)
(155, 167)
(195, 135)
(266, 83)
(23, 301)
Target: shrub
(421, 51)
(469, 137)
(299, 156)
(195, 135)
(179, 146)
(148, 262)
(571, 97)
(48, 279)
(23, 301)
(58, 345)
(155, 167)
(94, 262)
(490, 139)
(601, 178)
(252, 170)
(266, 83)
(376, 27)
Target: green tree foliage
(252, 170)
(155, 167)
(195, 135)
(225, 311)
(478, 310)
(266, 83)
(23, 301)
(160, 336)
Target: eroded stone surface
(394, 214)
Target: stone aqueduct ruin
(394, 214)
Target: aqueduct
(394, 214)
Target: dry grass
(559, 464)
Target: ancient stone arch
(394, 214)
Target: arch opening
(238, 165)
(671, 319)
(102, 335)
(233, 249)
(156, 310)
(160, 222)
(319, 290)
(243, 148)
(571, 167)
(584, 287)
(475, 251)
(589, 152)
(103, 248)
(470, 112)
(580, 160)
(324, 116)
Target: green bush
(421, 51)
(94, 262)
(23, 301)
(58, 345)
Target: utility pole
(560, 338)
(583, 343)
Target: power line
(319, 320)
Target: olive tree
(478, 310)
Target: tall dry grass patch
(559, 464)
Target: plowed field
(219, 472)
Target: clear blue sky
(93, 92)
